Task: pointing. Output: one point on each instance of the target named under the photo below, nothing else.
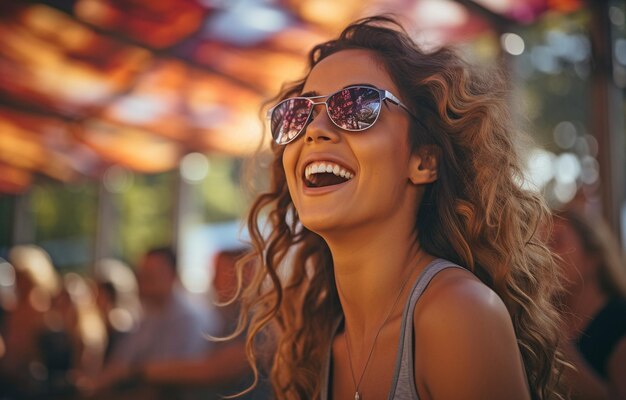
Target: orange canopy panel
(134, 148)
(51, 60)
(158, 24)
(258, 68)
(14, 180)
(174, 100)
(156, 101)
(42, 145)
(525, 11)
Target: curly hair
(476, 214)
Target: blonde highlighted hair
(476, 214)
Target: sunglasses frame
(382, 96)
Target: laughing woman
(403, 261)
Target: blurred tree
(65, 217)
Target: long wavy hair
(475, 214)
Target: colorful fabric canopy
(89, 83)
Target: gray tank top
(403, 383)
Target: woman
(390, 162)
(595, 278)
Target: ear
(423, 164)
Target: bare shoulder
(455, 296)
(464, 334)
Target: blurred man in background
(172, 327)
(224, 369)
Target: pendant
(357, 396)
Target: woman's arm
(224, 365)
(465, 345)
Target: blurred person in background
(106, 302)
(21, 328)
(171, 328)
(594, 276)
(42, 340)
(61, 343)
(224, 369)
(117, 303)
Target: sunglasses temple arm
(394, 100)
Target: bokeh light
(512, 43)
(194, 167)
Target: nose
(321, 128)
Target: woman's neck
(370, 268)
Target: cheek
(289, 161)
(389, 156)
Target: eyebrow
(313, 93)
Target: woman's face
(377, 160)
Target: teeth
(326, 167)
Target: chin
(319, 224)
(326, 224)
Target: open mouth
(325, 173)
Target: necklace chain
(357, 395)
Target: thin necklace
(357, 395)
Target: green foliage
(221, 191)
(63, 211)
(144, 215)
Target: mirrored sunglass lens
(289, 118)
(354, 109)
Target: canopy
(89, 83)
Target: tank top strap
(403, 384)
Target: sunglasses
(354, 109)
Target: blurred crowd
(123, 333)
